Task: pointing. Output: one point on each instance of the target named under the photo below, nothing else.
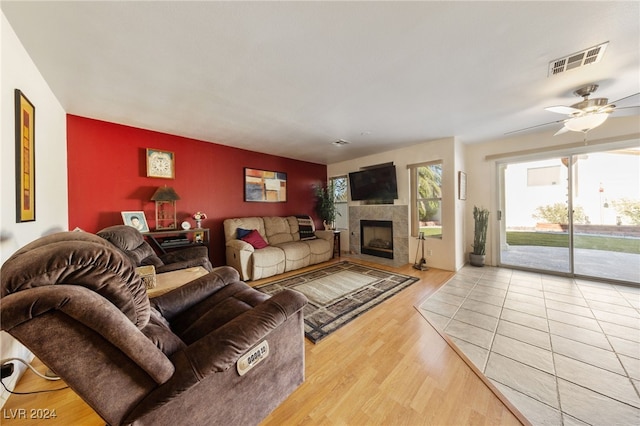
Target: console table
(167, 240)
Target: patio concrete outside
(592, 263)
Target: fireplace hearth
(376, 238)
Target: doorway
(576, 215)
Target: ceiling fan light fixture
(586, 122)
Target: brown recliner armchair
(132, 243)
(78, 305)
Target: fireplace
(398, 215)
(376, 238)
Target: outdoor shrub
(559, 213)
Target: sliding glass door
(606, 222)
(575, 215)
(534, 216)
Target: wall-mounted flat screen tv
(377, 183)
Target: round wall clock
(160, 164)
(186, 225)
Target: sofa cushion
(296, 254)
(255, 239)
(320, 250)
(278, 230)
(267, 262)
(159, 332)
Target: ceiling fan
(584, 115)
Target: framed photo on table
(136, 220)
(25, 158)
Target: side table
(336, 243)
(167, 240)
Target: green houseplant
(481, 223)
(326, 205)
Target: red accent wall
(107, 175)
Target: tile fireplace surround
(398, 214)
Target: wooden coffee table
(169, 280)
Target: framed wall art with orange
(25, 158)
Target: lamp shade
(586, 122)
(165, 193)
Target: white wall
(17, 71)
(461, 207)
(445, 253)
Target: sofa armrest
(185, 258)
(220, 349)
(240, 245)
(184, 297)
(325, 235)
(238, 254)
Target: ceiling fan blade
(626, 97)
(533, 127)
(561, 131)
(561, 109)
(609, 108)
(628, 107)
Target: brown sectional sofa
(284, 251)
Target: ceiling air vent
(577, 60)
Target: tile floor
(564, 351)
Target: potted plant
(481, 221)
(326, 205)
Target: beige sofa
(284, 250)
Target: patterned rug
(339, 293)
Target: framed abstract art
(265, 186)
(25, 158)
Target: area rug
(339, 293)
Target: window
(339, 185)
(426, 199)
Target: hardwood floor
(387, 367)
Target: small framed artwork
(462, 186)
(160, 164)
(198, 237)
(135, 219)
(265, 186)
(25, 158)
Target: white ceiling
(290, 78)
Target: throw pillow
(305, 226)
(255, 239)
(242, 233)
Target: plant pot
(476, 259)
